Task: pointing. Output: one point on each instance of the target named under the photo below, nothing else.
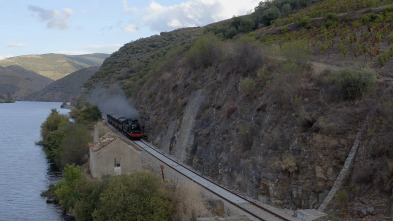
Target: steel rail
(209, 180)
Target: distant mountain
(16, 81)
(55, 66)
(65, 89)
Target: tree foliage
(52, 123)
(354, 83)
(74, 145)
(264, 14)
(86, 115)
(205, 52)
(65, 142)
(247, 86)
(67, 189)
(141, 196)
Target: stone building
(111, 155)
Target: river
(24, 170)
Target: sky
(101, 26)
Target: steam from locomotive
(113, 101)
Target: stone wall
(102, 161)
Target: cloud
(16, 45)
(4, 56)
(54, 18)
(194, 13)
(130, 28)
(127, 9)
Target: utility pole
(162, 172)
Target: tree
(205, 52)
(269, 15)
(140, 196)
(74, 145)
(67, 189)
(53, 122)
(53, 143)
(247, 86)
(87, 115)
(89, 198)
(354, 83)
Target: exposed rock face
(288, 156)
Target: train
(130, 127)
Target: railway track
(254, 210)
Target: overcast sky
(91, 26)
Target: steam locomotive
(130, 127)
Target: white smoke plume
(113, 101)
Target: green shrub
(296, 52)
(354, 83)
(269, 15)
(284, 30)
(247, 56)
(65, 142)
(243, 24)
(304, 22)
(89, 198)
(286, 9)
(382, 58)
(205, 52)
(387, 9)
(52, 123)
(371, 17)
(342, 200)
(288, 163)
(247, 86)
(329, 24)
(245, 137)
(52, 145)
(67, 189)
(74, 146)
(87, 115)
(331, 16)
(140, 196)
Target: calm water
(24, 171)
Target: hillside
(270, 104)
(55, 66)
(18, 82)
(136, 62)
(65, 89)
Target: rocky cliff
(260, 115)
(287, 149)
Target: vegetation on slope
(269, 124)
(64, 89)
(17, 82)
(140, 196)
(66, 142)
(135, 63)
(55, 66)
(264, 14)
(363, 35)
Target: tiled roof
(103, 141)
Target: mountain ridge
(64, 89)
(16, 81)
(55, 66)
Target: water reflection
(24, 171)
